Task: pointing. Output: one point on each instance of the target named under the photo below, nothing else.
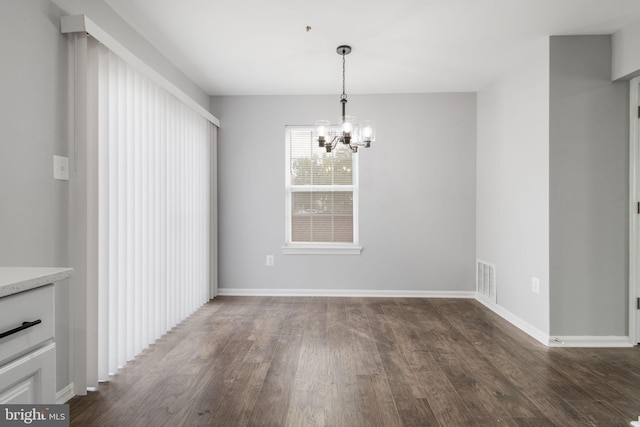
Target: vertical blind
(154, 211)
(321, 190)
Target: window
(321, 196)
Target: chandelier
(347, 131)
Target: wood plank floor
(280, 361)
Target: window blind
(154, 211)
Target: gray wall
(33, 217)
(589, 190)
(513, 185)
(552, 191)
(417, 194)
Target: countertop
(19, 279)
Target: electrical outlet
(269, 260)
(535, 285)
(61, 168)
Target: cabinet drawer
(30, 379)
(29, 306)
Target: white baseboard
(516, 321)
(343, 293)
(65, 394)
(557, 341)
(590, 341)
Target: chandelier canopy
(347, 132)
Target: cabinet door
(30, 379)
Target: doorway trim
(634, 216)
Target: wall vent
(486, 281)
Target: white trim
(81, 247)
(213, 212)
(584, 341)
(65, 394)
(634, 237)
(484, 300)
(344, 293)
(320, 249)
(516, 321)
(556, 341)
(80, 23)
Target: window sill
(321, 249)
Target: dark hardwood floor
(263, 361)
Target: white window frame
(634, 220)
(318, 248)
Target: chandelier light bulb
(322, 130)
(347, 128)
(368, 132)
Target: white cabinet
(27, 352)
(30, 379)
(27, 346)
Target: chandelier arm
(334, 141)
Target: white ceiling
(261, 47)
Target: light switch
(61, 168)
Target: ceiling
(262, 47)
